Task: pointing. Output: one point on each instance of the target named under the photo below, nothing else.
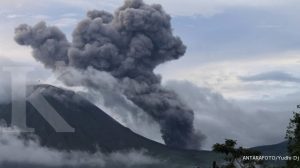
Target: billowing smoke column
(128, 45)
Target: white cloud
(15, 150)
(13, 16)
(224, 76)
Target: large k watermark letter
(19, 99)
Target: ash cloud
(129, 45)
(49, 43)
(106, 93)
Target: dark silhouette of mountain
(279, 149)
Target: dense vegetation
(293, 137)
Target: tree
(293, 137)
(234, 156)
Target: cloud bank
(14, 149)
(222, 119)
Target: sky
(240, 73)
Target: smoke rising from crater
(129, 45)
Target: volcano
(93, 127)
(95, 130)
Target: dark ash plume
(129, 45)
(49, 43)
